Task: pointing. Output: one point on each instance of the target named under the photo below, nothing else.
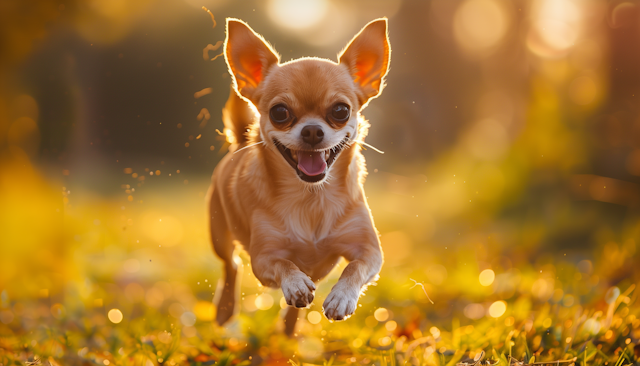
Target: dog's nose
(312, 134)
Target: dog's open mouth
(311, 166)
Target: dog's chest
(312, 221)
(316, 259)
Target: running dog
(290, 190)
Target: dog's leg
(298, 289)
(290, 320)
(363, 268)
(226, 291)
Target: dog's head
(309, 107)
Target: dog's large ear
(367, 57)
(248, 55)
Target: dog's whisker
(248, 146)
(370, 146)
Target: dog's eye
(280, 114)
(340, 112)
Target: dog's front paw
(340, 303)
(298, 290)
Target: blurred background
(511, 132)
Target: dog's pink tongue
(311, 162)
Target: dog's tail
(237, 117)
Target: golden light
(165, 337)
(249, 303)
(391, 325)
(188, 318)
(592, 325)
(583, 90)
(204, 310)
(487, 277)
(437, 274)
(556, 28)
(371, 321)
(264, 301)
(131, 265)
(310, 348)
(134, 292)
(490, 181)
(381, 314)
(542, 289)
(612, 295)
(623, 15)
(497, 309)
(189, 331)
(115, 316)
(587, 55)
(568, 300)
(314, 317)
(154, 297)
(229, 135)
(487, 139)
(398, 246)
(163, 229)
(474, 311)
(480, 25)
(58, 311)
(295, 14)
(435, 332)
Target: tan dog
(290, 189)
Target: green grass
(153, 263)
(550, 334)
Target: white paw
(340, 303)
(298, 290)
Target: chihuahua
(290, 189)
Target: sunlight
(506, 203)
(480, 25)
(497, 309)
(115, 316)
(556, 27)
(486, 277)
(294, 14)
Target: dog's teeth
(294, 154)
(327, 154)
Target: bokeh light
(480, 25)
(314, 317)
(583, 90)
(115, 316)
(497, 309)
(623, 14)
(381, 314)
(295, 14)
(188, 318)
(506, 199)
(487, 140)
(557, 26)
(487, 277)
(264, 301)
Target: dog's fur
(294, 230)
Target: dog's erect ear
(367, 57)
(248, 55)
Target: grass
(553, 334)
(125, 281)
